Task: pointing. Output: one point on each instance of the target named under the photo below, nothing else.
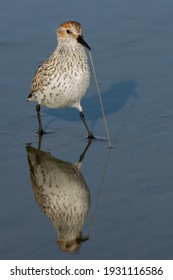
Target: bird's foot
(41, 132)
(90, 136)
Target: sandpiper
(63, 79)
(62, 194)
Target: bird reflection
(62, 194)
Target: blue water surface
(130, 186)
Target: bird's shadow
(113, 100)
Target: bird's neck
(71, 48)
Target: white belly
(64, 90)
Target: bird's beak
(82, 239)
(82, 42)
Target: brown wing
(47, 68)
(36, 83)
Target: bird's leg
(39, 142)
(40, 131)
(90, 135)
(85, 150)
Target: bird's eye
(68, 31)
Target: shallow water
(130, 186)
